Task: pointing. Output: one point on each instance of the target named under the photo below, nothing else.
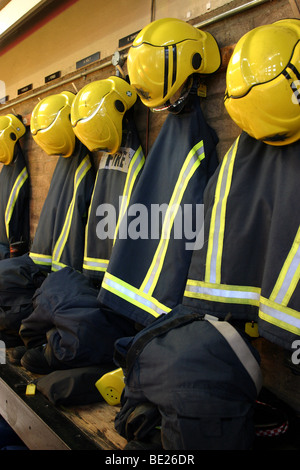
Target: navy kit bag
(199, 374)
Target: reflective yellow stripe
(22, 177)
(41, 259)
(142, 297)
(192, 162)
(217, 224)
(89, 214)
(283, 317)
(275, 310)
(62, 240)
(56, 266)
(270, 311)
(289, 275)
(95, 264)
(222, 293)
(134, 296)
(135, 167)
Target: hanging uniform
(249, 266)
(14, 203)
(147, 271)
(59, 238)
(77, 337)
(117, 176)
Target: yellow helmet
(98, 110)
(50, 124)
(263, 83)
(11, 129)
(164, 54)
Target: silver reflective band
(134, 296)
(41, 259)
(192, 162)
(81, 171)
(215, 247)
(13, 198)
(289, 275)
(56, 266)
(95, 264)
(279, 317)
(135, 166)
(241, 350)
(239, 294)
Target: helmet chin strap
(180, 98)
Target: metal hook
(118, 61)
(74, 86)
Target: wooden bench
(43, 426)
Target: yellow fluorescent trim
(133, 295)
(13, 198)
(165, 242)
(217, 223)
(281, 308)
(41, 259)
(96, 260)
(89, 214)
(279, 323)
(130, 180)
(130, 300)
(93, 268)
(223, 286)
(283, 279)
(61, 242)
(218, 298)
(223, 215)
(180, 187)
